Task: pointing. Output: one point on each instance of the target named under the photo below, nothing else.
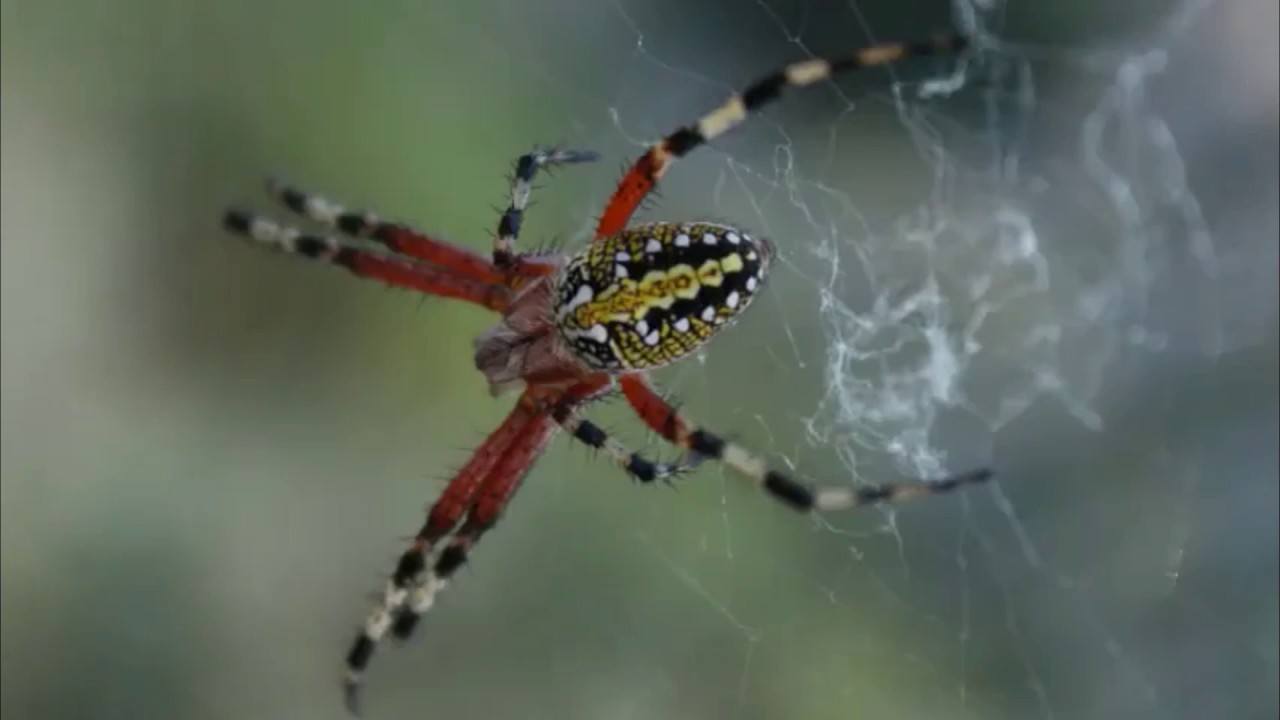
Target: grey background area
(211, 454)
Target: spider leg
(641, 178)
(634, 464)
(445, 513)
(666, 421)
(396, 237)
(493, 494)
(504, 244)
(394, 269)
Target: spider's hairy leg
(632, 463)
(526, 167)
(402, 239)
(393, 269)
(445, 513)
(666, 421)
(495, 492)
(641, 178)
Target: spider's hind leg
(362, 261)
(526, 167)
(396, 237)
(479, 491)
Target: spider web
(1034, 253)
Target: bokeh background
(210, 454)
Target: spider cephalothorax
(572, 329)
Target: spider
(573, 329)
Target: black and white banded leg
(409, 595)
(649, 168)
(480, 490)
(806, 498)
(368, 262)
(632, 463)
(667, 421)
(397, 237)
(504, 247)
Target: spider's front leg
(649, 168)
(504, 244)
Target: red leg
(397, 270)
(400, 238)
(653, 410)
(506, 476)
(632, 189)
(488, 497)
(480, 490)
(408, 241)
(495, 491)
(457, 498)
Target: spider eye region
(654, 293)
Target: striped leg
(634, 464)
(495, 492)
(666, 421)
(504, 248)
(396, 270)
(398, 238)
(405, 583)
(649, 168)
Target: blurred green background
(210, 454)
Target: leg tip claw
(351, 696)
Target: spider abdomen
(654, 293)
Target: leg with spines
(399, 238)
(390, 268)
(526, 168)
(422, 584)
(632, 463)
(406, 584)
(667, 422)
(644, 175)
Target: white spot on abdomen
(582, 297)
